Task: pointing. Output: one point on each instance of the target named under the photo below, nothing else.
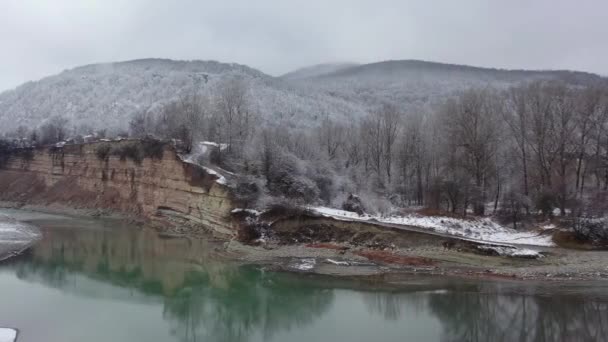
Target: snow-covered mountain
(414, 84)
(106, 95)
(316, 70)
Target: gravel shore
(557, 263)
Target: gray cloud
(44, 37)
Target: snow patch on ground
(221, 179)
(548, 226)
(306, 264)
(337, 263)
(250, 211)
(483, 229)
(213, 144)
(190, 159)
(8, 335)
(202, 148)
(342, 214)
(513, 252)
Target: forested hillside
(107, 95)
(397, 133)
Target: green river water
(92, 280)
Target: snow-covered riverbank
(15, 236)
(483, 229)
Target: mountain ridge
(106, 95)
(448, 67)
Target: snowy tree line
(532, 148)
(535, 148)
(539, 147)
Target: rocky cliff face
(79, 176)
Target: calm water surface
(93, 281)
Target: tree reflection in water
(392, 305)
(482, 313)
(478, 316)
(204, 299)
(252, 302)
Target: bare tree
(472, 128)
(234, 114)
(390, 124)
(54, 130)
(331, 137)
(138, 126)
(516, 115)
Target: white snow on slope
(483, 229)
(204, 145)
(250, 211)
(221, 179)
(8, 335)
(513, 252)
(191, 159)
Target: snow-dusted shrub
(545, 202)
(591, 220)
(354, 204)
(53, 130)
(152, 148)
(130, 150)
(284, 178)
(14, 148)
(375, 204)
(102, 151)
(324, 180)
(300, 188)
(247, 191)
(138, 125)
(6, 150)
(512, 207)
(216, 156)
(591, 229)
(286, 207)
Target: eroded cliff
(82, 176)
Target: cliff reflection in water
(205, 298)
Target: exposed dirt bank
(327, 246)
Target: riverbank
(367, 259)
(340, 260)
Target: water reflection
(482, 312)
(393, 305)
(204, 298)
(488, 317)
(252, 303)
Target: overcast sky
(40, 38)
